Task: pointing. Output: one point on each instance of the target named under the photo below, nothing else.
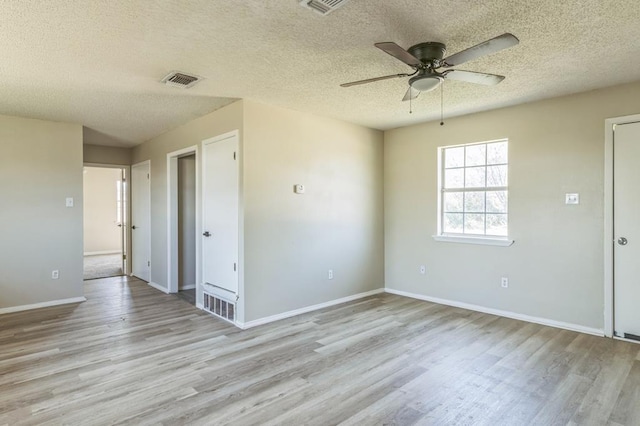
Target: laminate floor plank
(131, 355)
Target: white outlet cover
(572, 198)
(298, 189)
(69, 202)
(423, 269)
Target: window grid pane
(475, 192)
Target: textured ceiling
(98, 63)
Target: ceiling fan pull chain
(442, 104)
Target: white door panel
(220, 219)
(140, 221)
(626, 194)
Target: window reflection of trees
(475, 194)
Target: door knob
(622, 241)
(133, 227)
(207, 234)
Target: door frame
(609, 130)
(172, 216)
(127, 212)
(147, 162)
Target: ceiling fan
(427, 58)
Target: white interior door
(626, 195)
(220, 216)
(140, 221)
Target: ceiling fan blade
(371, 80)
(488, 47)
(411, 94)
(474, 77)
(399, 53)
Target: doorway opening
(183, 216)
(105, 221)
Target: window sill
(486, 241)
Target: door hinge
(124, 257)
(148, 176)
(234, 155)
(148, 263)
(234, 267)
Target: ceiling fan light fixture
(425, 83)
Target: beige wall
(291, 240)
(193, 133)
(555, 267)
(187, 221)
(101, 233)
(40, 166)
(107, 155)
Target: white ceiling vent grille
(323, 7)
(181, 80)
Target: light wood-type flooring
(132, 355)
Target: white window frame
(504, 241)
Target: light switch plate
(69, 202)
(572, 199)
(298, 189)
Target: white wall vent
(323, 7)
(181, 79)
(220, 307)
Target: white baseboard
(159, 287)
(501, 313)
(187, 287)
(42, 305)
(96, 253)
(626, 340)
(304, 310)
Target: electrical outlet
(505, 282)
(55, 274)
(423, 269)
(330, 274)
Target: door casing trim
(172, 215)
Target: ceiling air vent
(323, 7)
(180, 79)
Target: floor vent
(323, 7)
(181, 80)
(220, 307)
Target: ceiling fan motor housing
(430, 54)
(428, 51)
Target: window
(474, 190)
